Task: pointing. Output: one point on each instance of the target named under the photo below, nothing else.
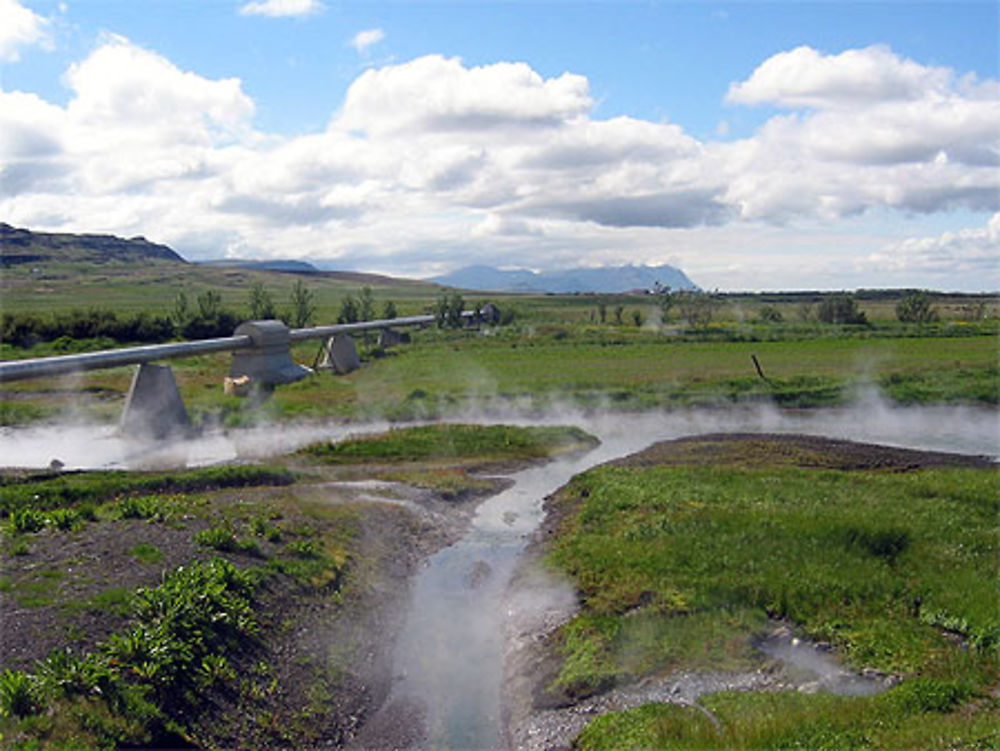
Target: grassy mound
(679, 563)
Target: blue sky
(755, 145)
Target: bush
(18, 694)
(27, 520)
(916, 308)
(842, 309)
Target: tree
(448, 311)
(348, 310)
(366, 304)
(664, 300)
(695, 307)
(619, 309)
(840, 309)
(916, 308)
(389, 310)
(303, 308)
(209, 304)
(261, 303)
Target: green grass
(677, 566)
(451, 442)
(828, 549)
(75, 488)
(146, 553)
(900, 719)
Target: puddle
(814, 668)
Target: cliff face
(20, 246)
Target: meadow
(682, 557)
(555, 350)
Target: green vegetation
(33, 496)
(454, 441)
(144, 682)
(677, 566)
(922, 713)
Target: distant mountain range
(295, 267)
(604, 279)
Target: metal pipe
(112, 358)
(39, 367)
(322, 332)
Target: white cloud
(20, 27)
(879, 131)
(974, 251)
(367, 38)
(805, 78)
(281, 8)
(432, 162)
(435, 93)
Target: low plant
(27, 520)
(19, 696)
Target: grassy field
(520, 366)
(681, 558)
(588, 350)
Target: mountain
(604, 279)
(292, 267)
(21, 246)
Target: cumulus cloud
(367, 38)
(804, 77)
(970, 250)
(872, 129)
(20, 27)
(281, 8)
(441, 94)
(434, 160)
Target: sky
(756, 146)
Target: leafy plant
(26, 520)
(18, 694)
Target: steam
(869, 418)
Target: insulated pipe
(38, 367)
(17, 370)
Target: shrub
(18, 694)
(841, 309)
(144, 507)
(769, 314)
(27, 520)
(916, 308)
(64, 519)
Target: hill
(22, 246)
(289, 267)
(604, 279)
